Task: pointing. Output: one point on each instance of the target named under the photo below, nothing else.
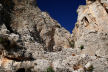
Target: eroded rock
(31, 41)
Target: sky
(64, 11)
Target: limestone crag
(27, 33)
(91, 29)
(31, 41)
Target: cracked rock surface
(31, 41)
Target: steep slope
(31, 41)
(90, 34)
(26, 34)
(91, 29)
(35, 30)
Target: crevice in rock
(36, 35)
(51, 42)
(95, 32)
(104, 7)
(106, 10)
(92, 0)
(50, 34)
(85, 19)
(18, 59)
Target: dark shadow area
(92, 0)
(36, 35)
(21, 70)
(12, 49)
(9, 45)
(5, 13)
(19, 59)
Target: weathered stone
(91, 29)
(31, 41)
(90, 32)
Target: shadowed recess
(21, 70)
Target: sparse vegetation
(50, 69)
(77, 25)
(90, 69)
(82, 47)
(71, 43)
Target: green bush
(50, 69)
(90, 69)
(82, 47)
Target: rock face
(31, 41)
(32, 28)
(91, 29)
(27, 33)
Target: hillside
(31, 41)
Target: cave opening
(21, 70)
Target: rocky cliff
(31, 41)
(91, 29)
